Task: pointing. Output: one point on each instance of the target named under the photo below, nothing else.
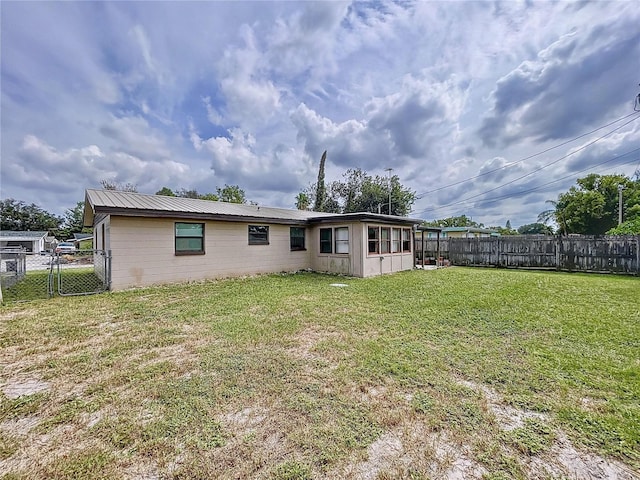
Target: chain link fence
(25, 276)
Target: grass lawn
(455, 373)
(35, 284)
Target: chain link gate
(83, 272)
(25, 276)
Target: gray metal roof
(137, 204)
(27, 235)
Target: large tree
(123, 187)
(231, 194)
(535, 229)
(74, 221)
(228, 193)
(321, 189)
(361, 192)
(459, 221)
(591, 206)
(17, 215)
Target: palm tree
(554, 214)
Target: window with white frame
(382, 240)
(342, 240)
(406, 240)
(395, 240)
(334, 240)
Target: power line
(526, 158)
(538, 187)
(543, 166)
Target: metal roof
(114, 202)
(26, 235)
(138, 204)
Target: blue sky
(197, 95)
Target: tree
(460, 221)
(74, 221)
(321, 189)
(17, 215)
(591, 206)
(166, 191)
(535, 229)
(113, 185)
(630, 227)
(303, 202)
(360, 192)
(231, 194)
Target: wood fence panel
(615, 254)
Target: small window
(406, 239)
(342, 240)
(326, 240)
(385, 240)
(258, 235)
(189, 238)
(374, 239)
(395, 240)
(296, 235)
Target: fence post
(638, 254)
(558, 245)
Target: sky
(484, 109)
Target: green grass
(34, 285)
(286, 377)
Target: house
(157, 239)
(32, 242)
(465, 232)
(83, 241)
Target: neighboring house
(465, 232)
(157, 239)
(32, 242)
(83, 241)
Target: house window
(406, 239)
(385, 240)
(395, 240)
(189, 238)
(258, 235)
(341, 236)
(374, 240)
(342, 240)
(296, 235)
(326, 240)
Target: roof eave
(129, 212)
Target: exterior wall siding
(340, 263)
(379, 264)
(143, 252)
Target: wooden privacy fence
(614, 254)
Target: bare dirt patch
(562, 459)
(17, 387)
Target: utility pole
(620, 188)
(389, 170)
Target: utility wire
(538, 187)
(418, 197)
(539, 168)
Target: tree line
(17, 215)
(591, 207)
(356, 192)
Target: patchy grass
(424, 374)
(35, 284)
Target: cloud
(133, 135)
(571, 78)
(236, 159)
